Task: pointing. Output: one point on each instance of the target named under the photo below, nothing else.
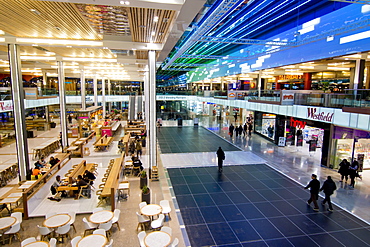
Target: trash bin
(179, 122)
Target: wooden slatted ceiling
(142, 24)
(55, 20)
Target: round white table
(157, 239)
(7, 222)
(151, 210)
(57, 220)
(93, 240)
(38, 244)
(100, 217)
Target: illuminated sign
(290, 77)
(322, 116)
(297, 123)
(6, 105)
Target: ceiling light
(338, 68)
(83, 59)
(59, 42)
(307, 67)
(35, 11)
(66, 67)
(156, 18)
(37, 58)
(124, 2)
(35, 45)
(153, 33)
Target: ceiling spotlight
(156, 18)
(153, 33)
(35, 11)
(124, 2)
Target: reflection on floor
(254, 205)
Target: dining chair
(63, 231)
(167, 229)
(141, 235)
(110, 243)
(44, 232)
(158, 223)
(142, 204)
(175, 242)
(142, 221)
(73, 219)
(53, 242)
(14, 231)
(18, 216)
(75, 240)
(97, 210)
(166, 209)
(107, 227)
(28, 240)
(100, 231)
(50, 214)
(88, 226)
(116, 215)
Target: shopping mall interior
(134, 98)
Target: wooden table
(56, 220)
(101, 217)
(93, 240)
(38, 244)
(157, 239)
(7, 222)
(151, 210)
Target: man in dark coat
(220, 156)
(328, 187)
(314, 186)
(231, 130)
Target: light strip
(66, 67)
(37, 58)
(59, 42)
(338, 68)
(83, 59)
(354, 37)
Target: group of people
(40, 164)
(239, 130)
(328, 187)
(349, 170)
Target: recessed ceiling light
(155, 19)
(35, 11)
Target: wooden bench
(103, 142)
(126, 139)
(79, 170)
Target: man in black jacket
(315, 187)
(220, 157)
(328, 187)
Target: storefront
(348, 144)
(311, 137)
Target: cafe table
(151, 210)
(100, 217)
(38, 244)
(57, 220)
(93, 240)
(157, 239)
(7, 222)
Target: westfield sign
(322, 116)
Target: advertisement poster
(281, 142)
(300, 141)
(313, 145)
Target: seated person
(42, 161)
(36, 172)
(89, 177)
(38, 164)
(54, 190)
(53, 161)
(79, 183)
(137, 163)
(121, 147)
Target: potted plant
(145, 194)
(143, 179)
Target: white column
(259, 83)
(83, 89)
(62, 103)
(109, 93)
(146, 94)
(19, 110)
(95, 90)
(103, 96)
(152, 111)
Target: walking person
(220, 157)
(231, 130)
(344, 170)
(235, 116)
(314, 186)
(250, 128)
(240, 130)
(353, 172)
(328, 187)
(245, 129)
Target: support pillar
(146, 93)
(95, 90)
(152, 111)
(83, 90)
(358, 75)
(109, 93)
(307, 81)
(19, 110)
(259, 83)
(62, 104)
(103, 95)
